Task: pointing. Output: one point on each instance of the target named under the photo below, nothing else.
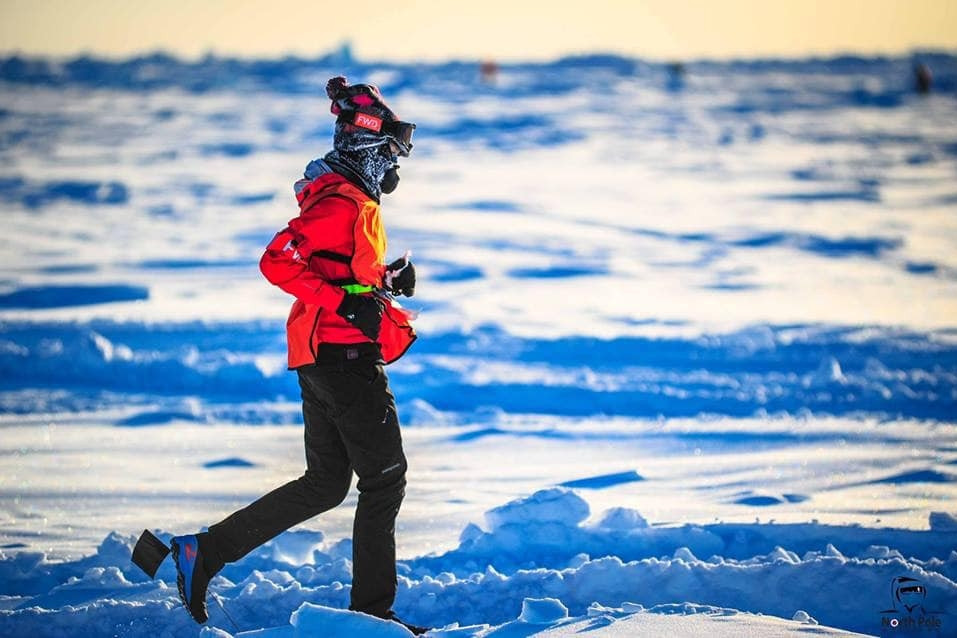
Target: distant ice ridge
(886, 78)
(763, 369)
(540, 562)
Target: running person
(342, 328)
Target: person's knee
(328, 487)
(394, 473)
(389, 480)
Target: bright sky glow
(499, 29)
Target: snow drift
(540, 549)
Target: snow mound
(315, 620)
(559, 506)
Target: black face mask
(390, 180)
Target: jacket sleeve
(284, 266)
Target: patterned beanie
(367, 131)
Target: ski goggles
(398, 132)
(401, 134)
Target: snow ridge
(527, 554)
(764, 369)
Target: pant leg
(369, 428)
(323, 486)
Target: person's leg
(323, 486)
(369, 427)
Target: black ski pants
(351, 425)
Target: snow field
(687, 361)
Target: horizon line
(344, 50)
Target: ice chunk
(26, 562)
(779, 554)
(296, 547)
(555, 505)
(622, 518)
(802, 616)
(597, 609)
(107, 350)
(833, 552)
(828, 372)
(263, 585)
(683, 553)
(881, 551)
(340, 549)
(542, 611)
(470, 533)
(943, 522)
(492, 574)
(97, 578)
(446, 578)
(115, 549)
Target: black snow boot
(192, 572)
(415, 629)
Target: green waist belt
(357, 289)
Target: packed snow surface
(687, 360)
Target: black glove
(364, 312)
(402, 279)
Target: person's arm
(285, 266)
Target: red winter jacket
(337, 240)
